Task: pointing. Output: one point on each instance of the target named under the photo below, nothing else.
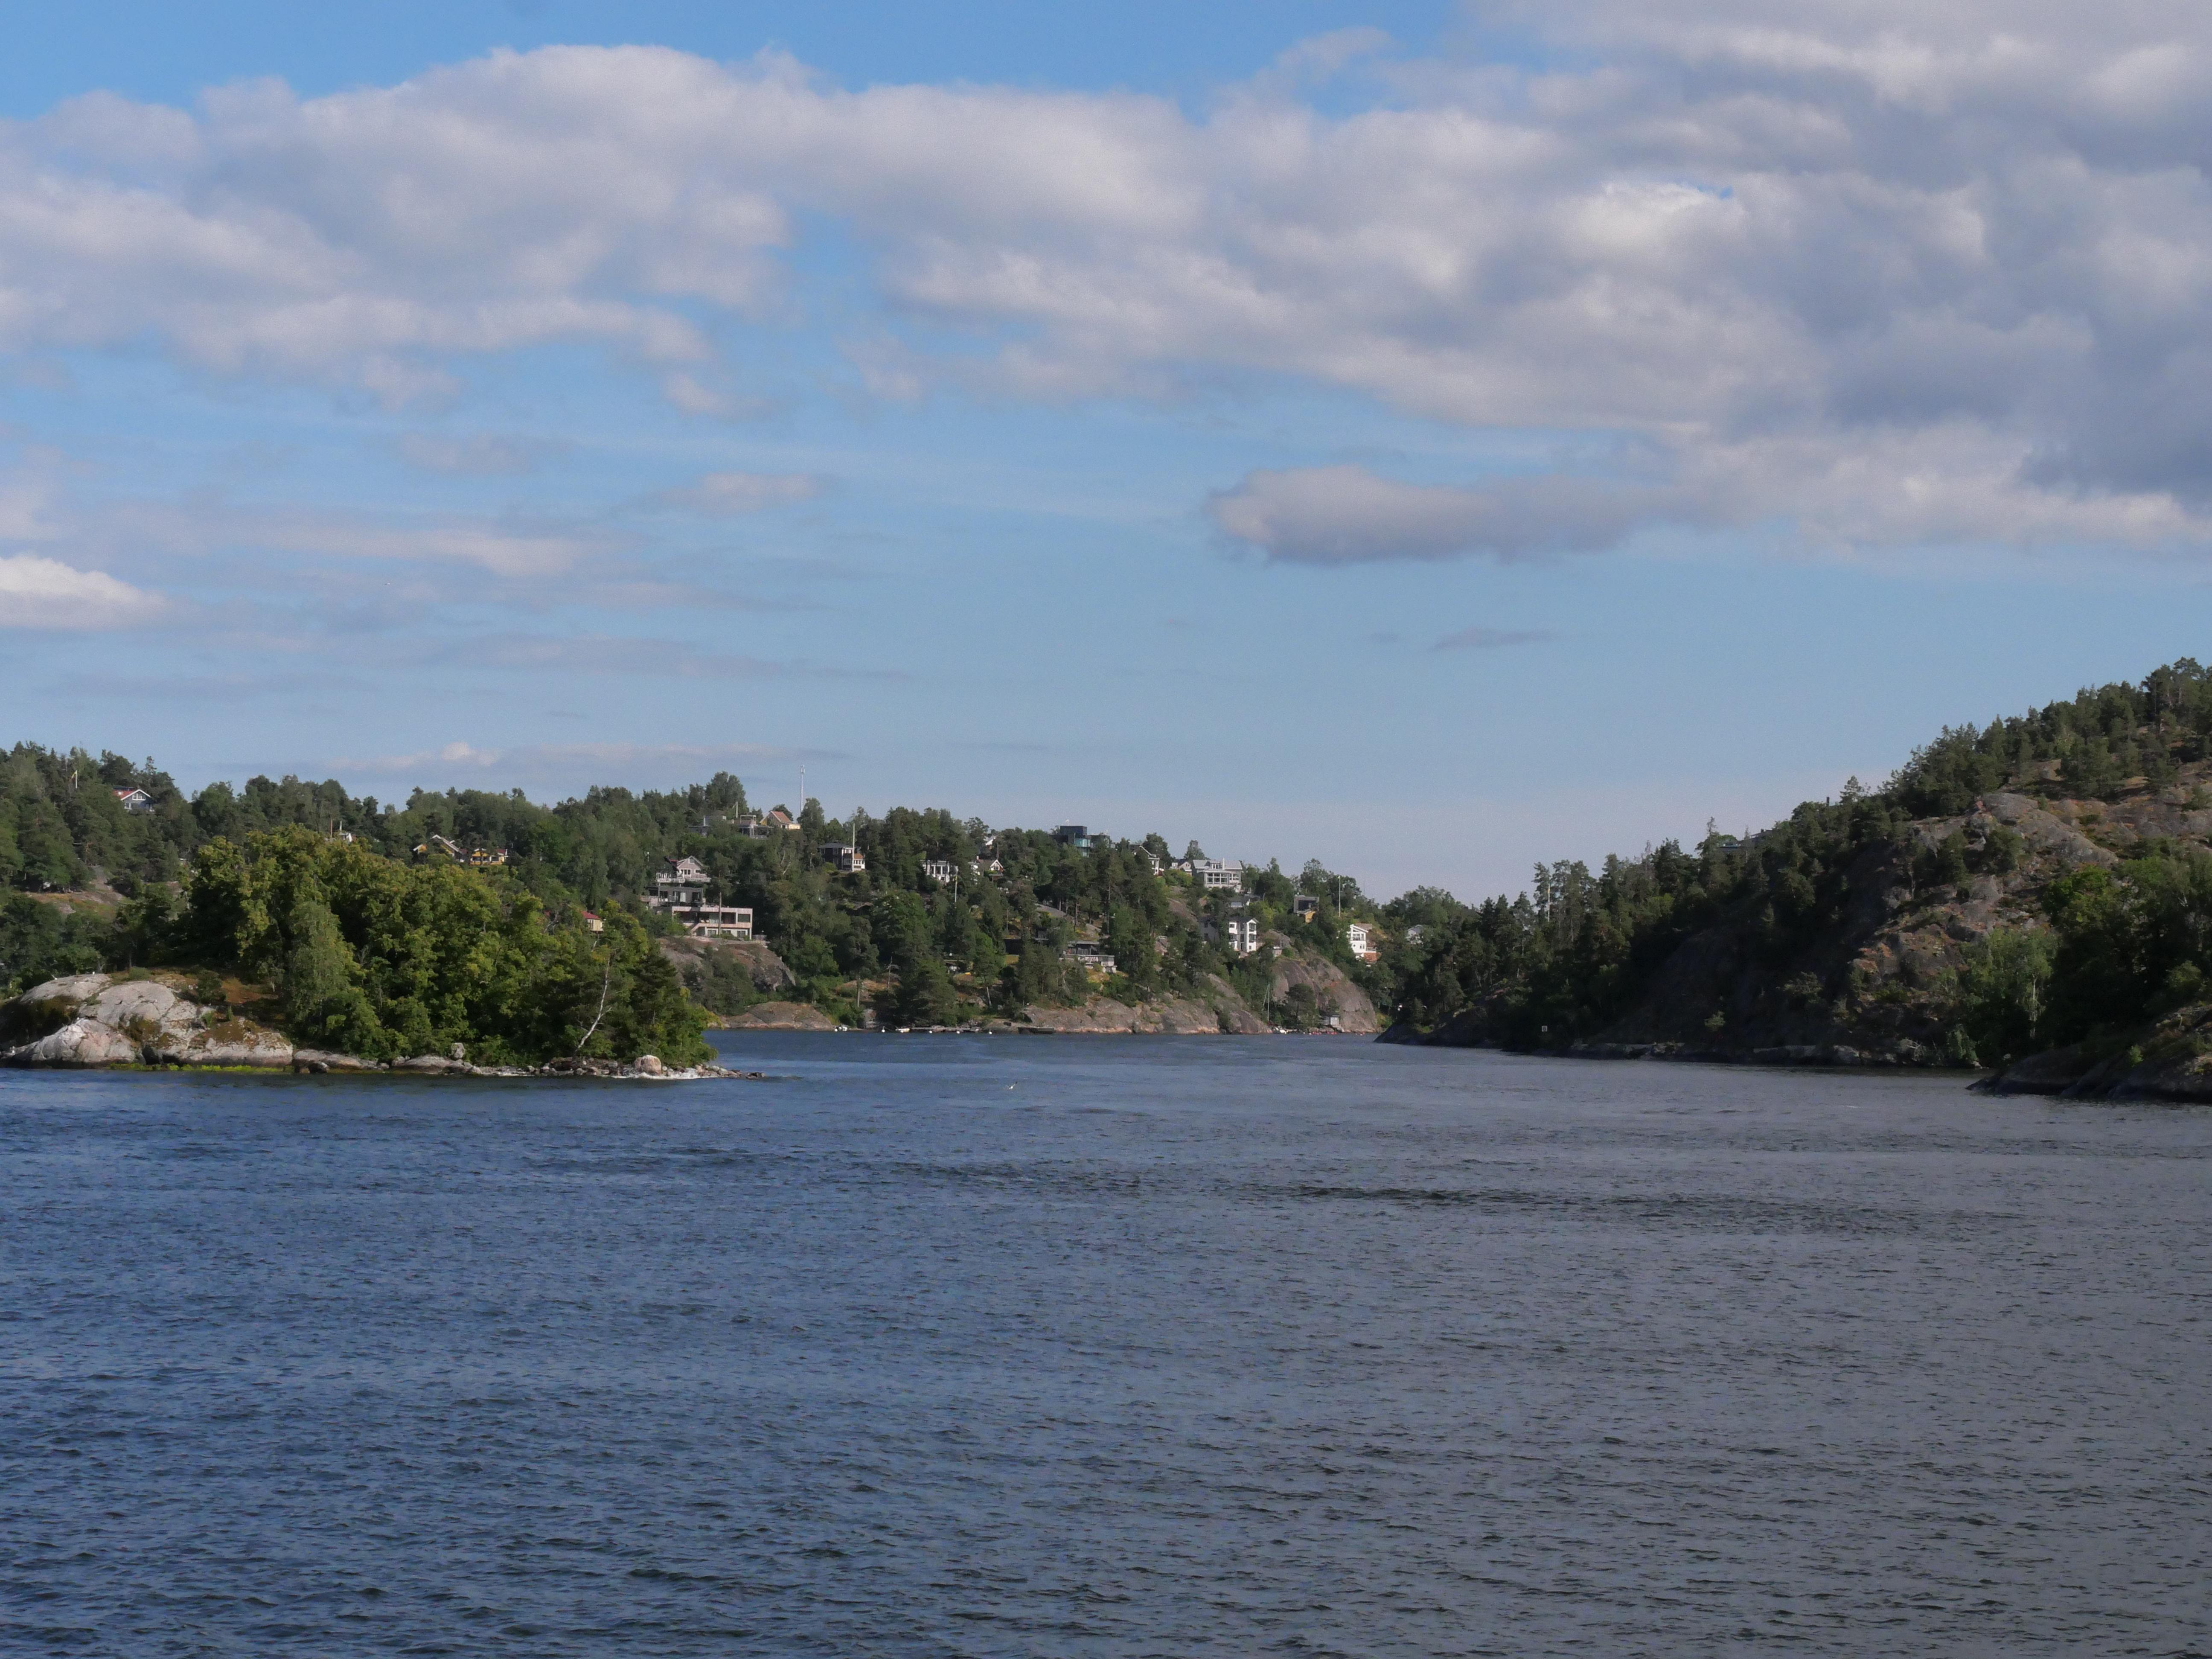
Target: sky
(1428, 437)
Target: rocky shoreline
(90, 1021)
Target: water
(1106, 1346)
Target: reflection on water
(975, 1345)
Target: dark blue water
(1107, 1346)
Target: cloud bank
(1895, 275)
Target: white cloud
(1950, 269)
(505, 548)
(45, 593)
(727, 495)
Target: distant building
(760, 825)
(1095, 958)
(717, 920)
(592, 924)
(1154, 858)
(1416, 933)
(478, 858)
(1361, 941)
(1307, 906)
(1077, 835)
(1215, 874)
(682, 883)
(134, 800)
(1242, 937)
(940, 870)
(679, 892)
(849, 860)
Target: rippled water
(969, 1346)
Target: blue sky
(1423, 437)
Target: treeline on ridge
(1561, 960)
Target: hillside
(2050, 916)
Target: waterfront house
(134, 800)
(1361, 938)
(1216, 875)
(1096, 958)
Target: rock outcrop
(1334, 994)
(759, 963)
(778, 1017)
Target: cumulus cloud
(727, 495)
(1948, 269)
(38, 592)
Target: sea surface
(959, 1344)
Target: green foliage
(383, 959)
(2005, 991)
(2097, 742)
(39, 942)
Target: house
(681, 885)
(1415, 933)
(849, 861)
(1361, 940)
(476, 858)
(1095, 958)
(717, 920)
(760, 825)
(1154, 859)
(940, 870)
(134, 800)
(1078, 835)
(679, 892)
(1307, 906)
(1216, 874)
(1239, 935)
(592, 924)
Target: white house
(134, 800)
(849, 861)
(1095, 958)
(940, 870)
(679, 892)
(717, 921)
(1216, 874)
(1358, 938)
(681, 883)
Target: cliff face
(1216, 1006)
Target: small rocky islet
(148, 1020)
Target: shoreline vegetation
(2031, 900)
